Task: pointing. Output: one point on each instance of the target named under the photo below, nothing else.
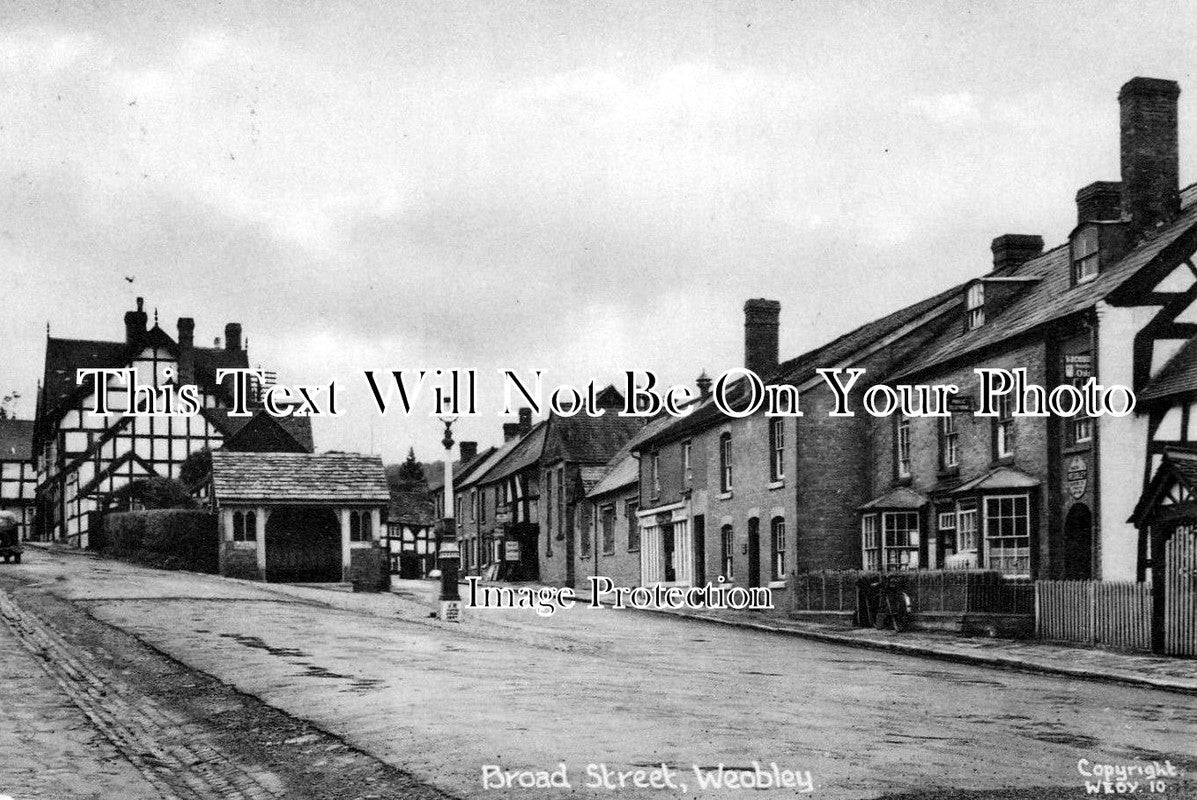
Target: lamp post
(448, 554)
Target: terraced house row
(759, 500)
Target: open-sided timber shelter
(300, 517)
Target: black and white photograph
(598, 399)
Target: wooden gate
(1180, 593)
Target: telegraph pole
(448, 554)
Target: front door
(700, 550)
(1078, 544)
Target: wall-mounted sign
(502, 517)
(962, 403)
(1078, 367)
(1077, 477)
(511, 550)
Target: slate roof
(997, 480)
(903, 497)
(624, 471)
(277, 478)
(802, 368)
(1053, 296)
(1178, 376)
(524, 455)
(64, 357)
(16, 440)
(300, 428)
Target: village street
(628, 689)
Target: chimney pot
(468, 451)
(1150, 156)
(135, 322)
(511, 430)
(703, 382)
(761, 327)
(1010, 250)
(232, 336)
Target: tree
(411, 471)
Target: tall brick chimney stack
(760, 335)
(1150, 157)
(232, 336)
(186, 351)
(1011, 250)
(525, 422)
(510, 431)
(468, 451)
(135, 322)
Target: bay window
(890, 540)
(1008, 534)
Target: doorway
(303, 545)
(1078, 544)
(754, 552)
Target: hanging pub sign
(1078, 477)
(1078, 366)
(511, 550)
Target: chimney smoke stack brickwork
(232, 337)
(135, 322)
(761, 327)
(1011, 250)
(510, 431)
(525, 422)
(186, 350)
(1100, 201)
(1150, 156)
(468, 451)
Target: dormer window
(976, 305)
(1085, 255)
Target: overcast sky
(584, 187)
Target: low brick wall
(166, 539)
(239, 562)
(369, 569)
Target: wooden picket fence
(1107, 613)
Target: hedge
(166, 538)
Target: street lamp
(448, 554)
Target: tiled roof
(1178, 376)
(299, 478)
(413, 508)
(16, 440)
(901, 497)
(1053, 296)
(589, 440)
(64, 357)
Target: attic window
(1085, 256)
(976, 305)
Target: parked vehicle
(10, 538)
(883, 602)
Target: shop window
(949, 443)
(777, 449)
(902, 443)
(778, 537)
(1008, 534)
(966, 529)
(633, 526)
(895, 546)
(1003, 435)
(607, 522)
(725, 462)
(245, 526)
(945, 524)
(976, 305)
(727, 552)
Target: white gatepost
(345, 557)
(260, 537)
